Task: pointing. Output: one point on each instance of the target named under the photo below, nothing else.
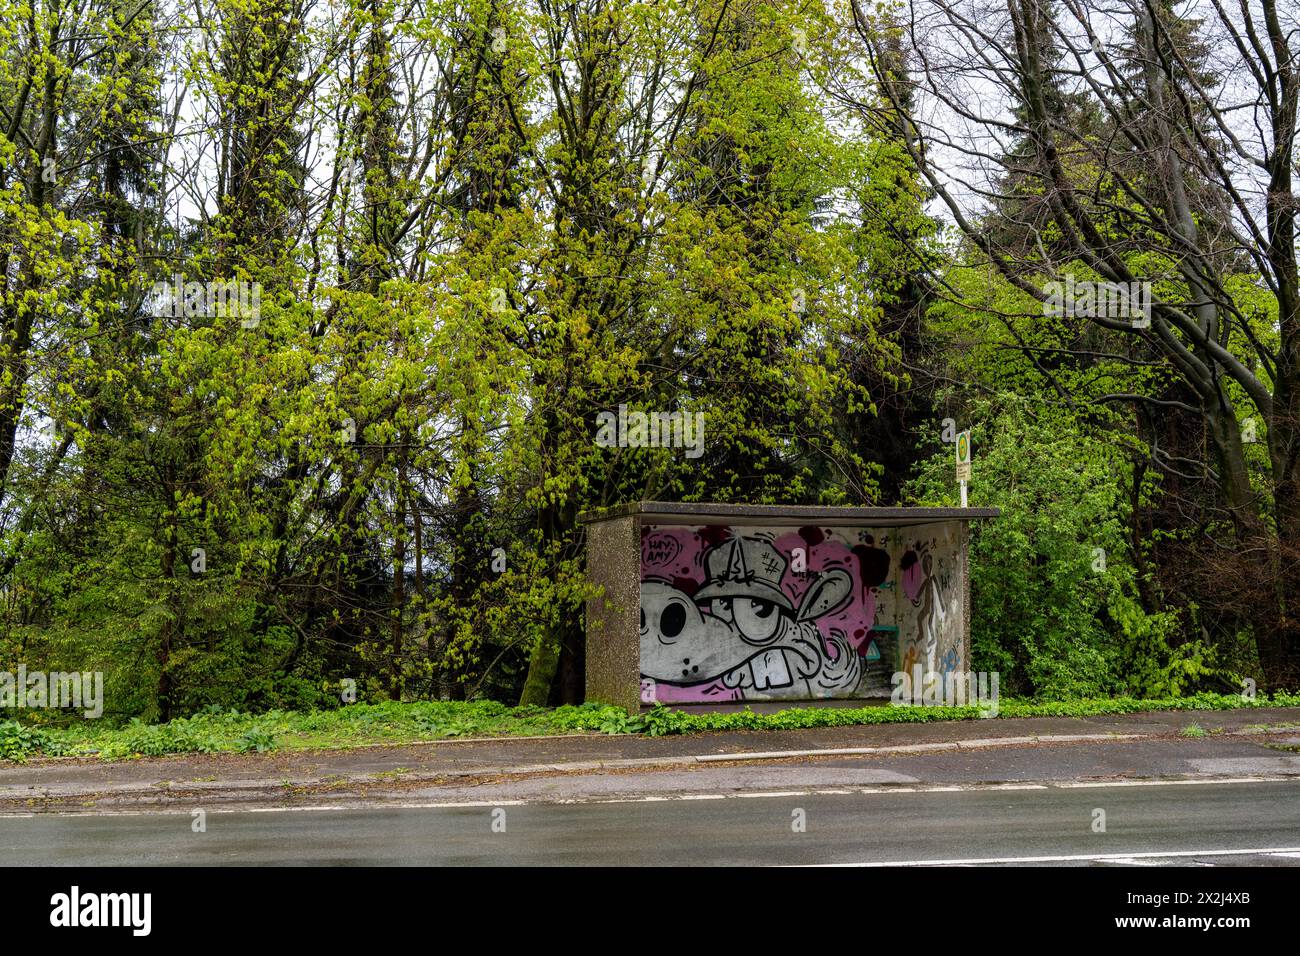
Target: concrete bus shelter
(729, 604)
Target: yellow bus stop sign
(963, 456)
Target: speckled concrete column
(613, 619)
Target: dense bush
(1053, 581)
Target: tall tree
(1105, 213)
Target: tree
(1102, 211)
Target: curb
(977, 743)
(584, 766)
(160, 790)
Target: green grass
(217, 731)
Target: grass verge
(218, 731)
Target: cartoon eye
(756, 620)
(642, 619)
(721, 608)
(673, 620)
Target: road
(1253, 822)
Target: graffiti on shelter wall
(764, 613)
(931, 617)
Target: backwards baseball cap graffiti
(746, 568)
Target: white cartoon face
(681, 645)
(745, 642)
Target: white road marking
(1130, 861)
(1130, 858)
(1088, 784)
(761, 794)
(400, 806)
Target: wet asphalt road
(1252, 823)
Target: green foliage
(471, 231)
(156, 740)
(256, 739)
(606, 719)
(1054, 581)
(18, 742)
(216, 731)
(446, 305)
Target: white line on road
(763, 794)
(1131, 861)
(1088, 784)
(1130, 858)
(374, 806)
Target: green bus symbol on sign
(963, 456)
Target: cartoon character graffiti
(749, 639)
